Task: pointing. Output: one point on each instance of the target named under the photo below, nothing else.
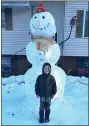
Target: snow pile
(13, 79)
(73, 110)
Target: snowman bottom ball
(30, 80)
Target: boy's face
(47, 69)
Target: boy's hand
(37, 96)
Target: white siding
(74, 46)
(17, 39)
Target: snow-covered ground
(73, 110)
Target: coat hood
(46, 64)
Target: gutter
(15, 4)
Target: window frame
(84, 18)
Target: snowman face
(43, 24)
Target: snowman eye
(35, 17)
(43, 17)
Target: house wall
(74, 46)
(17, 39)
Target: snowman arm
(54, 87)
(37, 86)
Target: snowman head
(42, 23)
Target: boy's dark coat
(45, 84)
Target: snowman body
(42, 24)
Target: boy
(45, 88)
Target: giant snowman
(41, 49)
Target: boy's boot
(41, 114)
(47, 113)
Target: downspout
(31, 14)
(63, 31)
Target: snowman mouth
(48, 26)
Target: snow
(12, 79)
(52, 55)
(16, 110)
(37, 57)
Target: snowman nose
(38, 22)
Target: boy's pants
(44, 105)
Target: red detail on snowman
(40, 8)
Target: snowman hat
(40, 8)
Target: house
(75, 50)
(15, 33)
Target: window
(85, 28)
(82, 24)
(3, 18)
(6, 66)
(7, 18)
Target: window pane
(3, 18)
(79, 23)
(86, 25)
